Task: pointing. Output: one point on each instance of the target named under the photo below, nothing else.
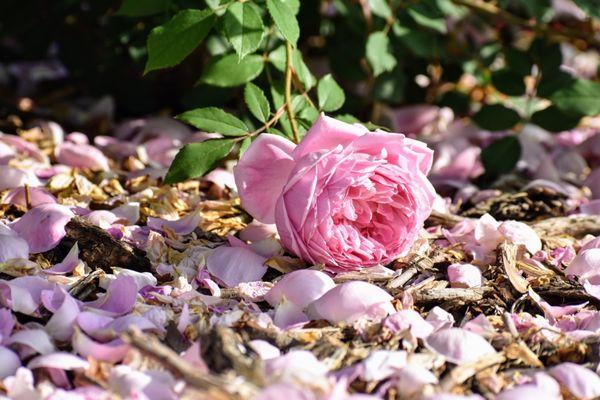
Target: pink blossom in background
(344, 197)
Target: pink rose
(344, 197)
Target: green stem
(288, 91)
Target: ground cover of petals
(115, 285)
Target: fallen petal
(300, 287)
(234, 265)
(43, 227)
(350, 301)
(459, 345)
(580, 381)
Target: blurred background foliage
(503, 64)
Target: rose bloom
(344, 197)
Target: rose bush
(344, 197)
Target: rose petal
(119, 299)
(527, 392)
(256, 231)
(264, 349)
(129, 212)
(102, 218)
(70, 262)
(194, 357)
(284, 391)
(261, 173)
(10, 362)
(299, 366)
(350, 301)
(11, 245)
(288, 314)
(24, 147)
(222, 178)
(110, 352)
(381, 364)
(23, 294)
(411, 380)
(300, 287)
(43, 227)
(37, 339)
(464, 275)
(234, 265)
(20, 385)
(58, 360)
(585, 264)
(459, 345)
(11, 178)
(520, 233)
(81, 156)
(408, 320)
(326, 134)
(7, 323)
(37, 196)
(182, 226)
(60, 325)
(580, 381)
(129, 383)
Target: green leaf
(170, 43)
(548, 56)
(458, 101)
(330, 94)
(257, 102)
(378, 53)
(496, 117)
(244, 145)
(380, 8)
(229, 70)
(508, 82)
(294, 5)
(285, 20)
(244, 28)
(196, 159)
(214, 120)
(591, 7)
(389, 86)
(540, 9)
(554, 120)
(142, 8)
(216, 6)
(518, 61)
(501, 156)
(424, 17)
(422, 44)
(550, 84)
(579, 97)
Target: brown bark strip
(100, 250)
(216, 386)
(451, 294)
(461, 373)
(574, 225)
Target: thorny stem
(270, 122)
(288, 91)
(266, 126)
(494, 11)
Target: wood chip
(508, 255)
